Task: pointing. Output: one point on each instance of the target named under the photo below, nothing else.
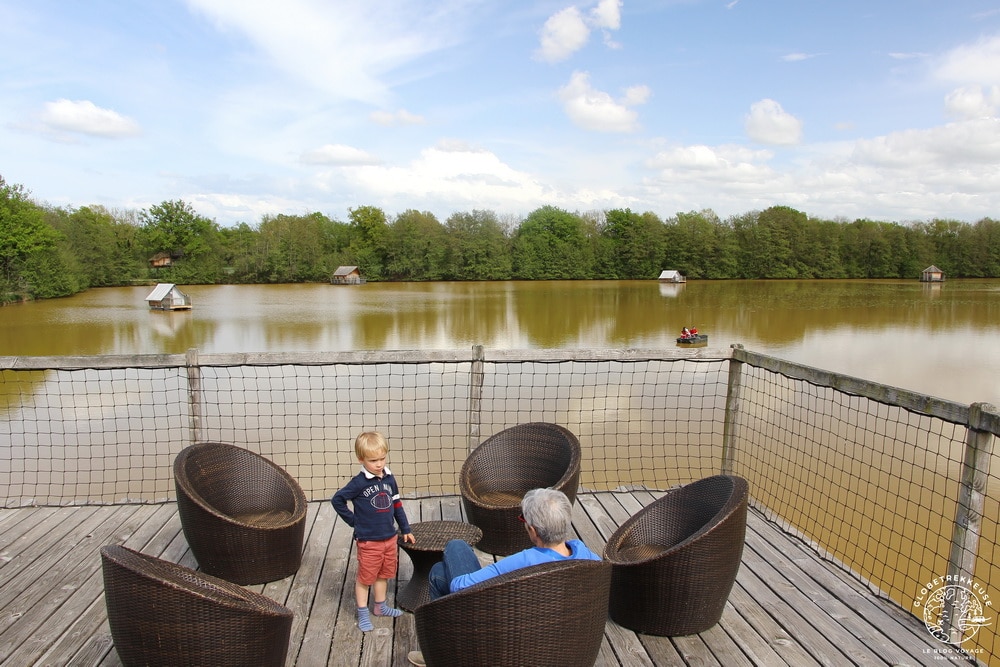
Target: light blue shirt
(533, 556)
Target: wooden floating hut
(932, 274)
(166, 296)
(347, 275)
(671, 276)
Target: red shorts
(377, 560)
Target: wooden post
(475, 396)
(194, 393)
(968, 516)
(729, 425)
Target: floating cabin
(166, 296)
(671, 276)
(347, 275)
(932, 274)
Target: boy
(377, 509)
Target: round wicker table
(431, 537)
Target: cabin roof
(345, 270)
(932, 269)
(160, 291)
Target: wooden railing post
(476, 396)
(968, 514)
(194, 393)
(729, 425)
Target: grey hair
(550, 513)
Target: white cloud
(563, 34)
(452, 172)
(911, 174)
(85, 117)
(567, 31)
(342, 49)
(607, 14)
(593, 109)
(768, 123)
(338, 154)
(977, 63)
(398, 117)
(973, 102)
(797, 57)
(966, 145)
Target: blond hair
(370, 444)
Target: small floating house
(932, 274)
(347, 275)
(166, 296)
(671, 276)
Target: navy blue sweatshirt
(377, 507)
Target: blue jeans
(458, 559)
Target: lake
(940, 339)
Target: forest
(48, 251)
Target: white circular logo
(954, 612)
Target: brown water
(937, 339)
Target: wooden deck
(787, 608)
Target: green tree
(699, 245)
(635, 246)
(478, 247)
(551, 244)
(192, 240)
(368, 243)
(242, 256)
(415, 247)
(294, 248)
(30, 261)
(986, 247)
(101, 245)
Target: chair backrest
(524, 457)
(235, 481)
(549, 614)
(674, 562)
(678, 518)
(161, 613)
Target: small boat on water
(695, 339)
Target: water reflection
(935, 339)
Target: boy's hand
(409, 538)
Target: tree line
(50, 251)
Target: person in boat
(685, 333)
(693, 331)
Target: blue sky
(842, 109)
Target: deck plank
(789, 607)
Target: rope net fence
(871, 485)
(110, 435)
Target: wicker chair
(550, 614)
(675, 561)
(243, 516)
(164, 614)
(498, 473)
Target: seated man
(547, 515)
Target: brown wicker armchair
(550, 614)
(243, 515)
(164, 614)
(508, 464)
(675, 561)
